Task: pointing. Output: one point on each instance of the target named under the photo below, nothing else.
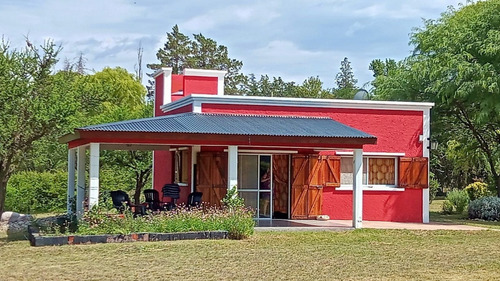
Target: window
(181, 166)
(376, 171)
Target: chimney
(163, 88)
(172, 87)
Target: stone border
(36, 239)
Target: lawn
(356, 255)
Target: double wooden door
(310, 174)
(211, 178)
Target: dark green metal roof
(228, 124)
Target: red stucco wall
(397, 131)
(158, 95)
(399, 206)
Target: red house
(290, 158)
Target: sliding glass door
(255, 183)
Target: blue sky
(291, 39)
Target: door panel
(280, 186)
(212, 177)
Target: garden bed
(37, 239)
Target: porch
(213, 145)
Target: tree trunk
(138, 188)
(498, 185)
(3, 191)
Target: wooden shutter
(413, 172)
(330, 170)
(307, 187)
(212, 177)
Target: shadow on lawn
(13, 236)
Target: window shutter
(413, 172)
(330, 170)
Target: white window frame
(374, 187)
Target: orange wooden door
(212, 176)
(307, 187)
(280, 185)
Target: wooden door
(212, 177)
(280, 186)
(307, 187)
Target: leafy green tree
(312, 87)
(181, 52)
(346, 83)
(33, 104)
(456, 64)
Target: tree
(456, 64)
(181, 52)
(345, 78)
(312, 87)
(33, 103)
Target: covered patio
(226, 134)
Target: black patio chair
(121, 200)
(173, 191)
(194, 199)
(153, 202)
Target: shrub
(459, 199)
(477, 190)
(434, 187)
(232, 200)
(34, 192)
(486, 208)
(447, 207)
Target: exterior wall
(398, 206)
(397, 131)
(158, 95)
(162, 169)
(184, 109)
(163, 173)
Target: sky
(291, 39)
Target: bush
(477, 190)
(434, 187)
(486, 208)
(459, 199)
(447, 207)
(35, 192)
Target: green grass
(437, 216)
(350, 255)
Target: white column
(194, 159)
(425, 152)
(94, 175)
(357, 190)
(80, 191)
(71, 180)
(232, 166)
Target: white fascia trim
(204, 72)
(387, 154)
(161, 70)
(301, 102)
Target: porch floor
(342, 225)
